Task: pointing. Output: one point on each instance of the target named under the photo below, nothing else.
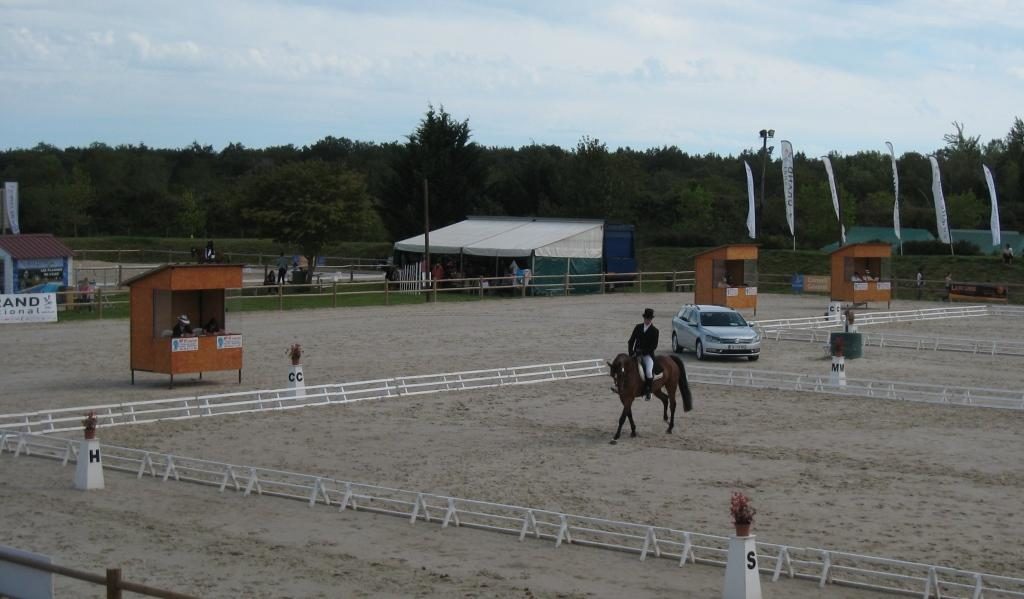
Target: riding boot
(647, 389)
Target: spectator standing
(282, 267)
(919, 282)
(949, 286)
(1008, 255)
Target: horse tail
(684, 385)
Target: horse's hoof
(633, 434)
(614, 390)
(613, 442)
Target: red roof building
(34, 260)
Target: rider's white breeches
(648, 362)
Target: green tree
(966, 211)
(439, 151)
(310, 204)
(191, 214)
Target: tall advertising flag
(835, 198)
(997, 237)
(11, 205)
(896, 193)
(941, 222)
(787, 182)
(751, 220)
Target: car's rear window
(722, 319)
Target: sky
(828, 75)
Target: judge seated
(183, 328)
(212, 327)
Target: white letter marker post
(297, 381)
(741, 577)
(89, 471)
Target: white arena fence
(870, 318)
(183, 408)
(199, 406)
(824, 566)
(993, 347)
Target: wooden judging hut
(159, 296)
(727, 276)
(861, 273)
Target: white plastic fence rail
(182, 408)
(897, 390)
(992, 347)
(870, 318)
(820, 565)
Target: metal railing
(198, 406)
(992, 347)
(896, 390)
(870, 318)
(824, 566)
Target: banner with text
(835, 198)
(787, 183)
(941, 221)
(896, 191)
(11, 206)
(28, 307)
(997, 236)
(751, 220)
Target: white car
(714, 331)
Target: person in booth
(182, 328)
(212, 327)
(643, 343)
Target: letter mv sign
(28, 307)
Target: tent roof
(508, 236)
(34, 245)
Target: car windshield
(722, 319)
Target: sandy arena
(911, 481)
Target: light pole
(766, 134)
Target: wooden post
(673, 290)
(387, 292)
(602, 281)
(118, 256)
(480, 283)
(334, 297)
(280, 296)
(566, 283)
(113, 583)
(640, 280)
(99, 299)
(434, 291)
(120, 275)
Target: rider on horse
(642, 343)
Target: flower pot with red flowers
(90, 425)
(742, 513)
(295, 353)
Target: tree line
(342, 189)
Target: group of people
(859, 278)
(183, 328)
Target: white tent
(510, 237)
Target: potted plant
(90, 425)
(295, 353)
(742, 513)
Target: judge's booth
(158, 297)
(861, 273)
(727, 276)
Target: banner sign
(732, 291)
(997, 237)
(751, 220)
(11, 206)
(941, 222)
(185, 344)
(229, 341)
(835, 198)
(751, 290)
(883, 285)
(976, 292)
(896, 192)
(787, 182)
(817, 283)
(860, 286)
(28, 307)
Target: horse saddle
(656, 370)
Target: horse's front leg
(622, 419)
(632, 425)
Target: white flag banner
(11, 205)
(787, 182)
(997, 237)
(751, 220)
(835, 197)
(896, 192)
(941, 222)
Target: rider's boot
(647, 389)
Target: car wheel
(675, 345)
(700, 350)
(754, 358)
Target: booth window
(163, 314)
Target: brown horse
(629, 384)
